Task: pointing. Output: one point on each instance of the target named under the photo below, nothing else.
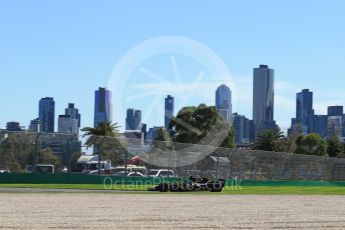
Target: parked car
(161, 173)
(135, 174)
(40, 168)
(121, 170)
(4, 171)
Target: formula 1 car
(192, 185)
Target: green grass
(244, 190)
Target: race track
(169, 211)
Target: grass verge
(243, 190)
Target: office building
(73, 113)
(169, 110)
(47, 114)
(318, 124)
(13, 126)
(103, 106)
(223, 102)
(263, 98)
(152, 134)
(34, 125)
(66, 124)
(133, 119)
(241, 126)
(62, 145)
(304, 108)
(335, 110)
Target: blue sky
(66, 49)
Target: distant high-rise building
(223, 102)
(169, 110)
(103, 106)
(335, 110)
(336, 122)
(241, 127)
(263, 97)
(335, 126)
(152, 134)
(318, 124)
(47, 114)
(144, 130)
(13, 126)
(62, 145)
(34, 125)
(304, 108)
(252, 131)
(73, 113)
(133, 119)
(66, 124)
(304, 105)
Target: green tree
(311, 144)
(269, 140)
(46, 156)
(229, 141)
(163, 139)
(334, 147)
(74, 161)
(15, 150)
(104, 139)
(193, 124)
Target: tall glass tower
(103, 106)
(304, 105)
(263, 98)
(304, 109)
(47, 114)
(169, 110)
(223, 102)
(133, 119)
(73, 113)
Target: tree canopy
(104, 139)
(334, 147)
(269, 140)
(201, 125)
(311, 144)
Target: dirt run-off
(169, 211)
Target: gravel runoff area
(169, 211)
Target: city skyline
(67, 57)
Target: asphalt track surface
(78, 209)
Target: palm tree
(96, 137)
(268, 140)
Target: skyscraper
(304, 105)
(335, 121)
(66, 124)
(133, 119)
(169, 110)
(241, 126)
(34, 125)
(304, 109)
(335, 110)
(73, 113)
(263, 98)
(103, 107)
(318, 124)
(47, 114)
(223, 102)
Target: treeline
(18, 150)
(311, 144)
